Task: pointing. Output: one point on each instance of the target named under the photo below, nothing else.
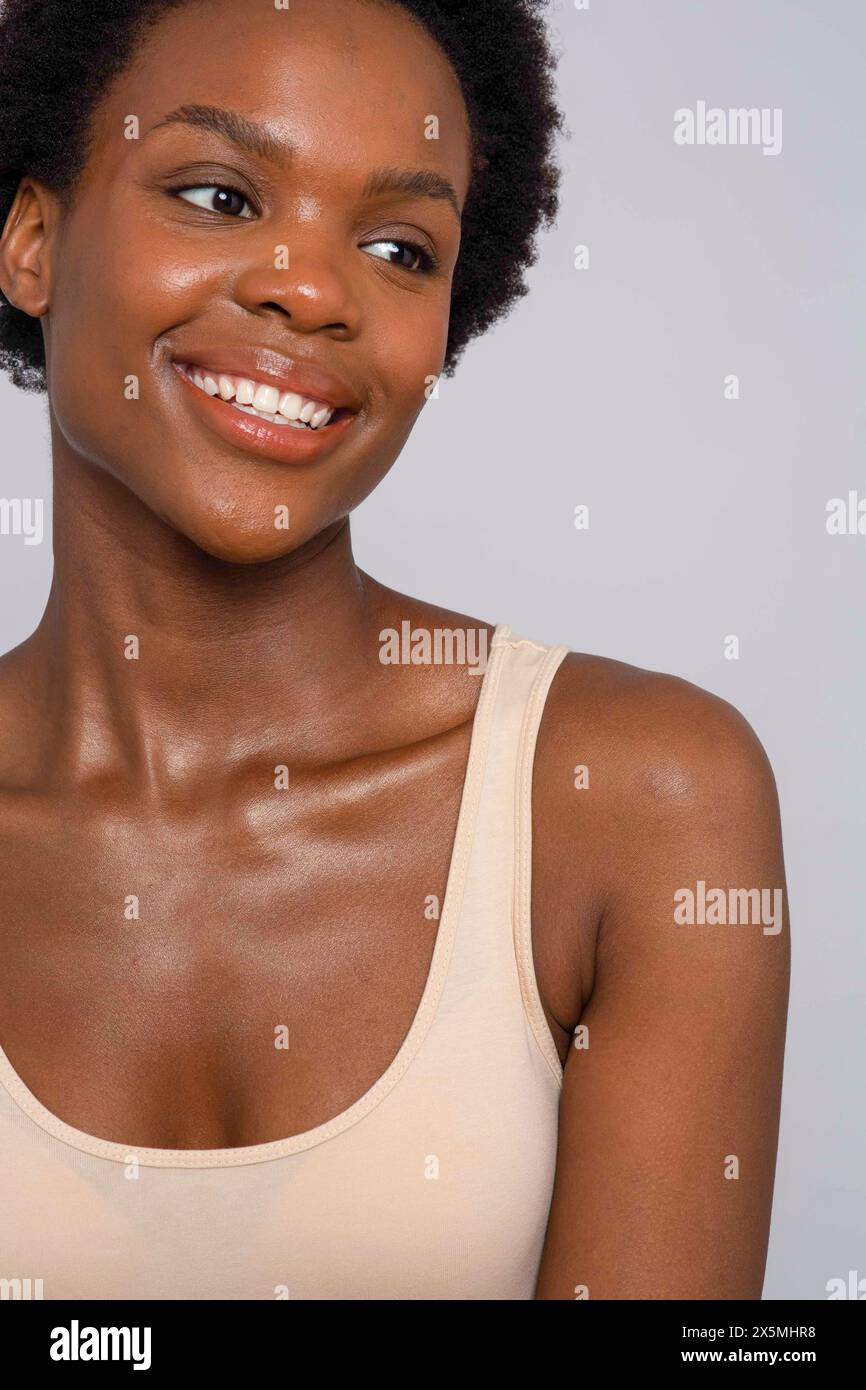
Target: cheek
(128, 281)
(407, 349)
(106, 316)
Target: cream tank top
(435, 1184)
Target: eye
(428, 261)
(216, 197)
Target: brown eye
(214, 197)
(423, 258)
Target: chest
(229, 978)
(219, 980)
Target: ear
(25, 265)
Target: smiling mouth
(263, 401)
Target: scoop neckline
(150, 1157)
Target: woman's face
(298, 278)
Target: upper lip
(296, 374)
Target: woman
(346, 941)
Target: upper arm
(669, 1115)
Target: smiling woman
(209, 210)
(300, 930)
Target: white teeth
(291, 405)
(264, 401)
(271, 419)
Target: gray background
(707, 516)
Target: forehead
(358, 79)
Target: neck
(160, 664)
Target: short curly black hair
(57, 58)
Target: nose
(302, 281)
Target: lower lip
(280, 443)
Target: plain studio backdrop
(609, 387)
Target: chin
(243, 548)
(241, 527)
(223, 538)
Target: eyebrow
(417, 183)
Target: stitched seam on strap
(523, 859)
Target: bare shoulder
(656, 739)
(629, 761)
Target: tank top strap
(539, 665)
(517, 705)
(492, 953)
